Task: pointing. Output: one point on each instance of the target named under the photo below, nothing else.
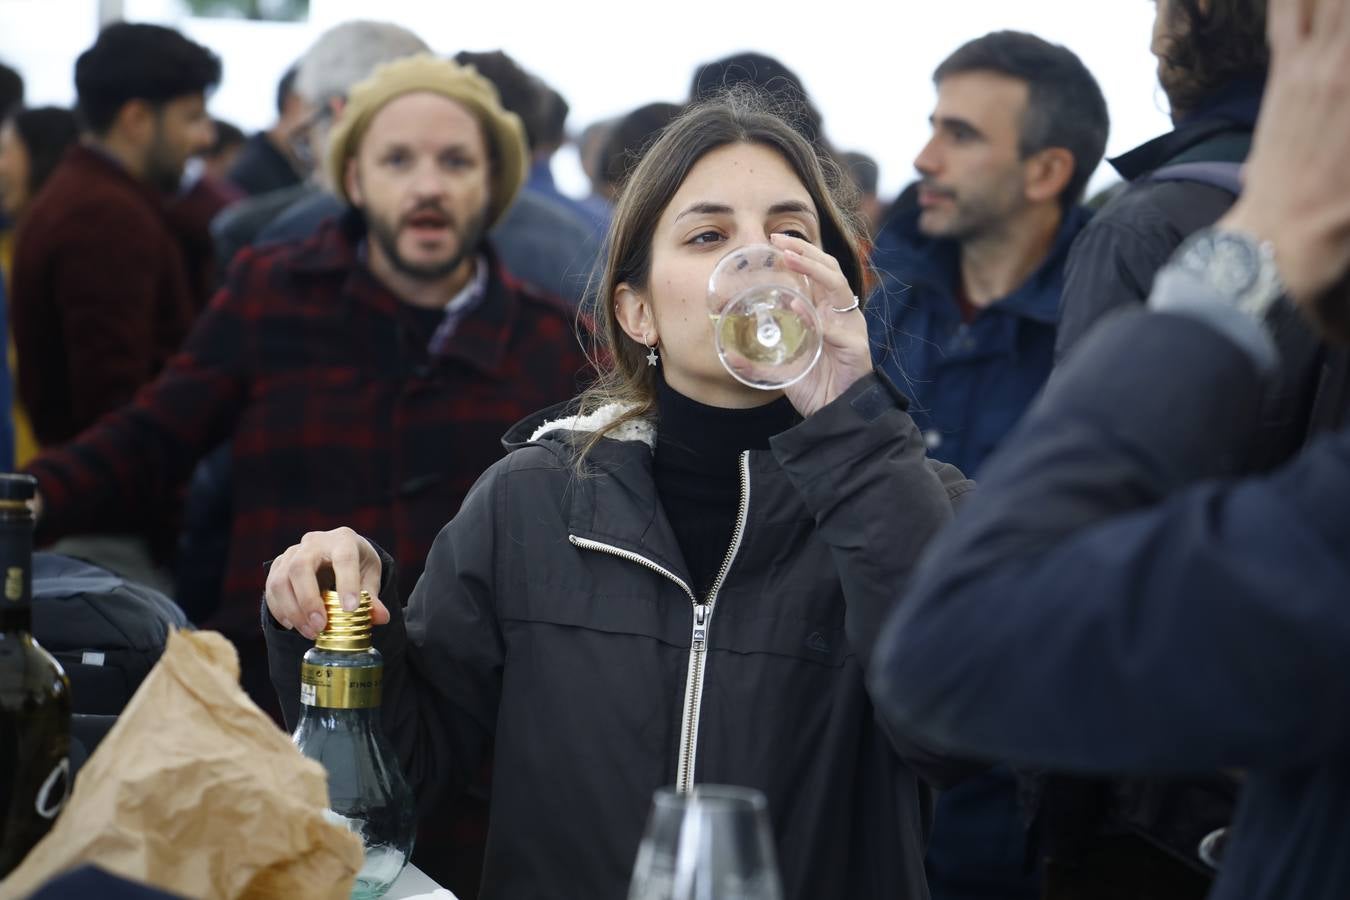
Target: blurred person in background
(101, 290)
(544, 238)
(220, 157)
(770, 76)
(365, 375)
(628, 139)
(32, 142)
(866, 174)
(11, 89)
(589, 145)
(202, 195)
(267, 161)
(971, 279)
(1211, 63)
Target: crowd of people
(1031, 587)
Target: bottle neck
(16, 569)
(336, 719)
(341, 680)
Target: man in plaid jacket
(363, 377)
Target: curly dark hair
(1211, 44)
(139, 62)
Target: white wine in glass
(765, 325)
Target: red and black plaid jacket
(336, 414)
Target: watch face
(1234, 264)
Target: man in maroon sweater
(101, 293)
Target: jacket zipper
(698, 641)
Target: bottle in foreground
(340, 685)
(34, 692)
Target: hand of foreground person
(340, 557)
(845, 354)
(1297, 184)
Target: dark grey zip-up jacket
(554, 622)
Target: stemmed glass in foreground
(711, 844)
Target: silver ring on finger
(848, 309)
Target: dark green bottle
(34, 692)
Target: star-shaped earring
(651, 355)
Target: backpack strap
(1226, 176)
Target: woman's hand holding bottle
(340, 557)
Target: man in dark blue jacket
(1115, 600)
(1212, 59)
(965, 321)
(971, 278)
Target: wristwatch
(1234, 265)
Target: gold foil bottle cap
(345, 630)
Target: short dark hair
(1065, 106)
(1216, 43)
(552, 116)
(630, 137)
(520, 92)
(11, 89)
(46, 133)
(286, 87)
(139, 62)
(769, 76)
(862, 169)
(227, 135)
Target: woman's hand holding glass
(845, 354)
(340, 558)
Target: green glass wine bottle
(34, 692)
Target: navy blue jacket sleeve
(1111, 600)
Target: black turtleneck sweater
(697, 469)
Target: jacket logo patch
(817, 643)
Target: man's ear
(634, 315)
(135, 121)
(1048, 173)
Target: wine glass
(711, 844)
(765, 326)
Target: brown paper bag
(196, 791)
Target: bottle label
(14, 583)
(340, 687)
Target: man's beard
(470, 236)
(163, 172)
(967, 219)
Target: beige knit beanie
(425, 72)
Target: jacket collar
(482, 337)
(1232, 110)
(615, 502)
(93, 162)
(906, 256)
